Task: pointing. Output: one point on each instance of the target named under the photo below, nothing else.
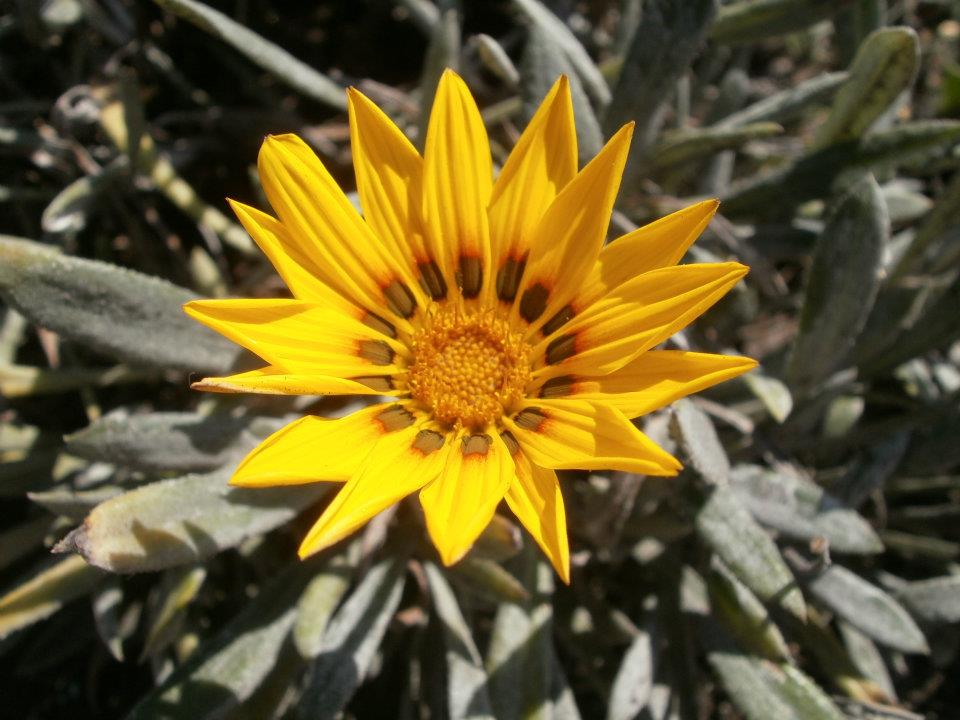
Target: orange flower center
(468, 369)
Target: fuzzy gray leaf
(116, 311)
(842, 283)
(868, 608)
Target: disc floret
(468, 370)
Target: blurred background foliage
(806, 564)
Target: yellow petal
(274, 381)
(389, 181)
(542, 162)
(570, 234)
(649, 382)
(460, 503)
(633, 318)
(299, 337)
(312, 449)
(575, 434)
(660, 244)
(457, 181)
(396, 466)
(298, 270)
(534, 497)
(314, 209)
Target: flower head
(512, 342)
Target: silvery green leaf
(884, 67)
(667, 39)
(119, 312)
(800, 509)
(693, 430)
(351, 641)
(321, 599)
(423, 13)
(563, 704)
(178, 589)
(70, 503)
(904, 204)
(868, 608)
(519, 658)
(744, 615)
(489, 579)
(45, 592)
(19, 438)
(553, 27)
(272, 58)
(183, 520)
(841, 284)
(466, 678)
(749, 681)
(866, 657)
(227, 670)
(682, 146)
(773, 393)
(805, 697)
(935, 600)
(542, 63)
(495, 58)
(633, 683)
(934, 230)
(937, 326)
(166, 441)
(116, 615)
(787, 104)
(68, 212)
(747, 21)
(811, 176)
(26, 381)
(728, 529)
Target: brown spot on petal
(395, 417)
(399, 299)
(510, 441)
(476, 445)
(531, 418)
(376, 351)
(558, 387)
(508, 278)
(431, 279)
(428, 441)
(534, 301)
(563, 316)
(560, 349)
(380, 383)
(372, 320)
(470, 276)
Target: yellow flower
(512, 342)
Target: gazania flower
(511, 341)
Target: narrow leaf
(747, 21)
(633, 683)
(665, 43)
(727, 528)
(693, 430)
(800, 509)
(936, 600)
(352, 640)
(841, 285)
(787, 104)
(684, 146)
(166, 441)
(183, 520)
(46, 592)
(116, 311)
(553, 27)
(868, 608)
(884, 67)
(466, 678)
(229, 669)
(272, 58)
